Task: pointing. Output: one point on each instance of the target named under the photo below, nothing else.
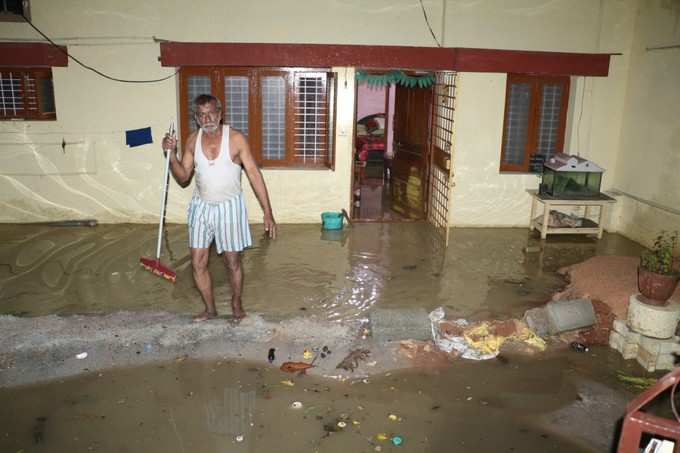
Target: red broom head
(156, 268)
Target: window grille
(14, 10)
(535, 119)
(11, 96)
(286, 113)
(196, 85)
(27, 94)
(516, 123)
(273, 118)
(549, 122)
(236, 102)
(311, 117)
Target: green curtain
(396, 76)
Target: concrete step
(400, 324)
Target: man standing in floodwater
(217, 211)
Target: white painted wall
(648, 166)
(100, 177)
(482, 196)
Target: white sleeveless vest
(220, 179)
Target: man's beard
(209, 128)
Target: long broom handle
(165, 191)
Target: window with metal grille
(311, 117)
(273, 97)
(197, 84)
(535, 119)
(286, 113)
(14, 10)
(26, 93)
(236, 102)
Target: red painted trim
(531, 62)
(304, 55)
(383, 57)
(31, 55)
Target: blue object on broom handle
(171, 131)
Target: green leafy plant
(635, 383)
(659, 258)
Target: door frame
(440, 172)
(436, 160)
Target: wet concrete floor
(336, 275)
(510, 405)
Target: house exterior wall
(97, 176)
(648, 170)
(483, 196)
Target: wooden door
(440, 174)
(412, 108)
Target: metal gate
(440, 177)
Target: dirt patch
(610, 279)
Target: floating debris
(270, 355)
(331, 428)
(296, 367)
(578, 347)
(482, 340)
(288, 382)
(351, 361)
(634, 382)
(296, 405)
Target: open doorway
(391, 152)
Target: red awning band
(32, 54)
(461, 59)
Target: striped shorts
(226, 222)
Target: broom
(150, 264)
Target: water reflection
(336, 275)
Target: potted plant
(657, 274)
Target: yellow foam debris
(480, 338)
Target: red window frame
(32, 101)
(216, 76)
(536, 83)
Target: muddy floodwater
(558, 401)
(335, 274)
(508, 405)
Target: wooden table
(588, 226)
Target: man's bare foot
(204, 316)
(237, 314)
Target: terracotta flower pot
(657, 288)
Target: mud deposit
(515, 404)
